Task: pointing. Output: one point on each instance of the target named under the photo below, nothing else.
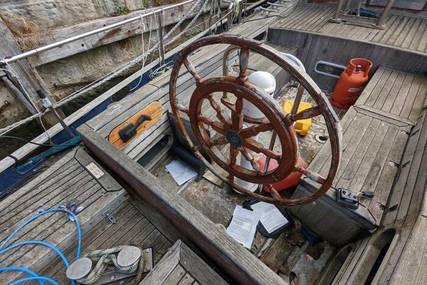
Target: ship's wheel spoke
(237, 115)
(297, 99)
(270, 147)
(218, 110)
(259, 148)
(248, 156)
(243, 63)
(233, 156)
(311, 175)
(254, 130)
(306, 114)
(255, 120)
(217, 126)
(274, 193)
(218, 141)
(192, 69)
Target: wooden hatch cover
(154, 111)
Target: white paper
(243, 226)
(270, 217)
(180, 171)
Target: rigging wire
(124, 67)
(26, 141)
(144, 59)
(73, 95)
(9, 69)
(109, 76)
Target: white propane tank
(264, 81)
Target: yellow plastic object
(302, 127)
(154, 110)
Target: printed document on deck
(270, 217)
(243, 226)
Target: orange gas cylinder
(351, 82)
(291, 180)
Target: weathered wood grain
(213, 241)
(400, 30)
(180, 261)
(67, 180)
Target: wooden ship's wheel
(225, 133)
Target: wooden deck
(131, 228)
(402, 224)
(211, 239)
(402, 32)
(384, 151)
(413, 260)
(181, 266)
(372, 149)
(65, 181)
(208, 61)
(394, 94)
(376, 131)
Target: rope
(26, 141)
(123, 68)
(9, 70)
(94, 84)
(42, 213)
(114, 73)
(108, 257)
(143, 51)
(20, 269)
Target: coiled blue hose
(42, 243)
(20, 269)
(37, 242)
(43, 213)
(34, 276)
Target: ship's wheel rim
(325, 109)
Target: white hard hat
(263, 80)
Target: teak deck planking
(180, 265)
(401, 183)
(131, 228)
(208, 62)
(67, 180)
(403, 32)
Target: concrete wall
(10, 107)
(26, 17)
(33, 23)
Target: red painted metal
(290, 181)
(351, 83)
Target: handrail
(26, 54)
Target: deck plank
(374, 139)
(399, 94)
(181, 262)
(413, 261)
(67, 180)
(131, 228)
(402, 32)
(406, 257)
